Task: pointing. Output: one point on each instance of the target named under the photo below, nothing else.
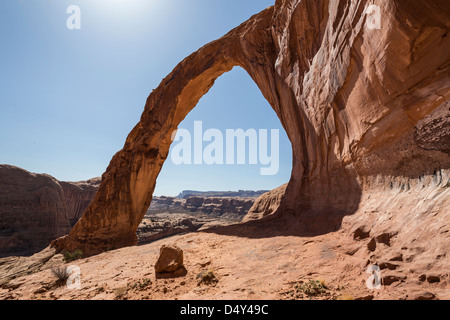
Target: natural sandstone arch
(128, 184)
(342, 93)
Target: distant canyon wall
(230, 194)
(230, 207)
(35, 209)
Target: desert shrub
(141, 284)
(206, 277)
(62, 274)
(312, 288)
(73, 256)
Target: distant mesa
(241, 193)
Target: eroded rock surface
(266, 205)
(433, 132)
(349, 97)
(78, 196)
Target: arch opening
(129, 182)
(200, 158)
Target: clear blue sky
(69, 98)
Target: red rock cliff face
(32, 211)
(78, 196)
(351, 99)
(35, 209)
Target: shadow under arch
(128, 184)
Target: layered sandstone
(214, 206)
(237, 207)
(358, 105)
(167, 204)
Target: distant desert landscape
(365, 214)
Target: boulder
(170, 259)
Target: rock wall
(167, 204)
(266, 205)
(214, 206)
(78, 196)
(351, 99)
(32, 211)
(219, 206)
(36, 209)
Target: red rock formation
(32, 212)
(78, 196)
(35, 209)
(349, 97)
(266, 205)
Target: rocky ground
(248, 262)
(401, 228)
